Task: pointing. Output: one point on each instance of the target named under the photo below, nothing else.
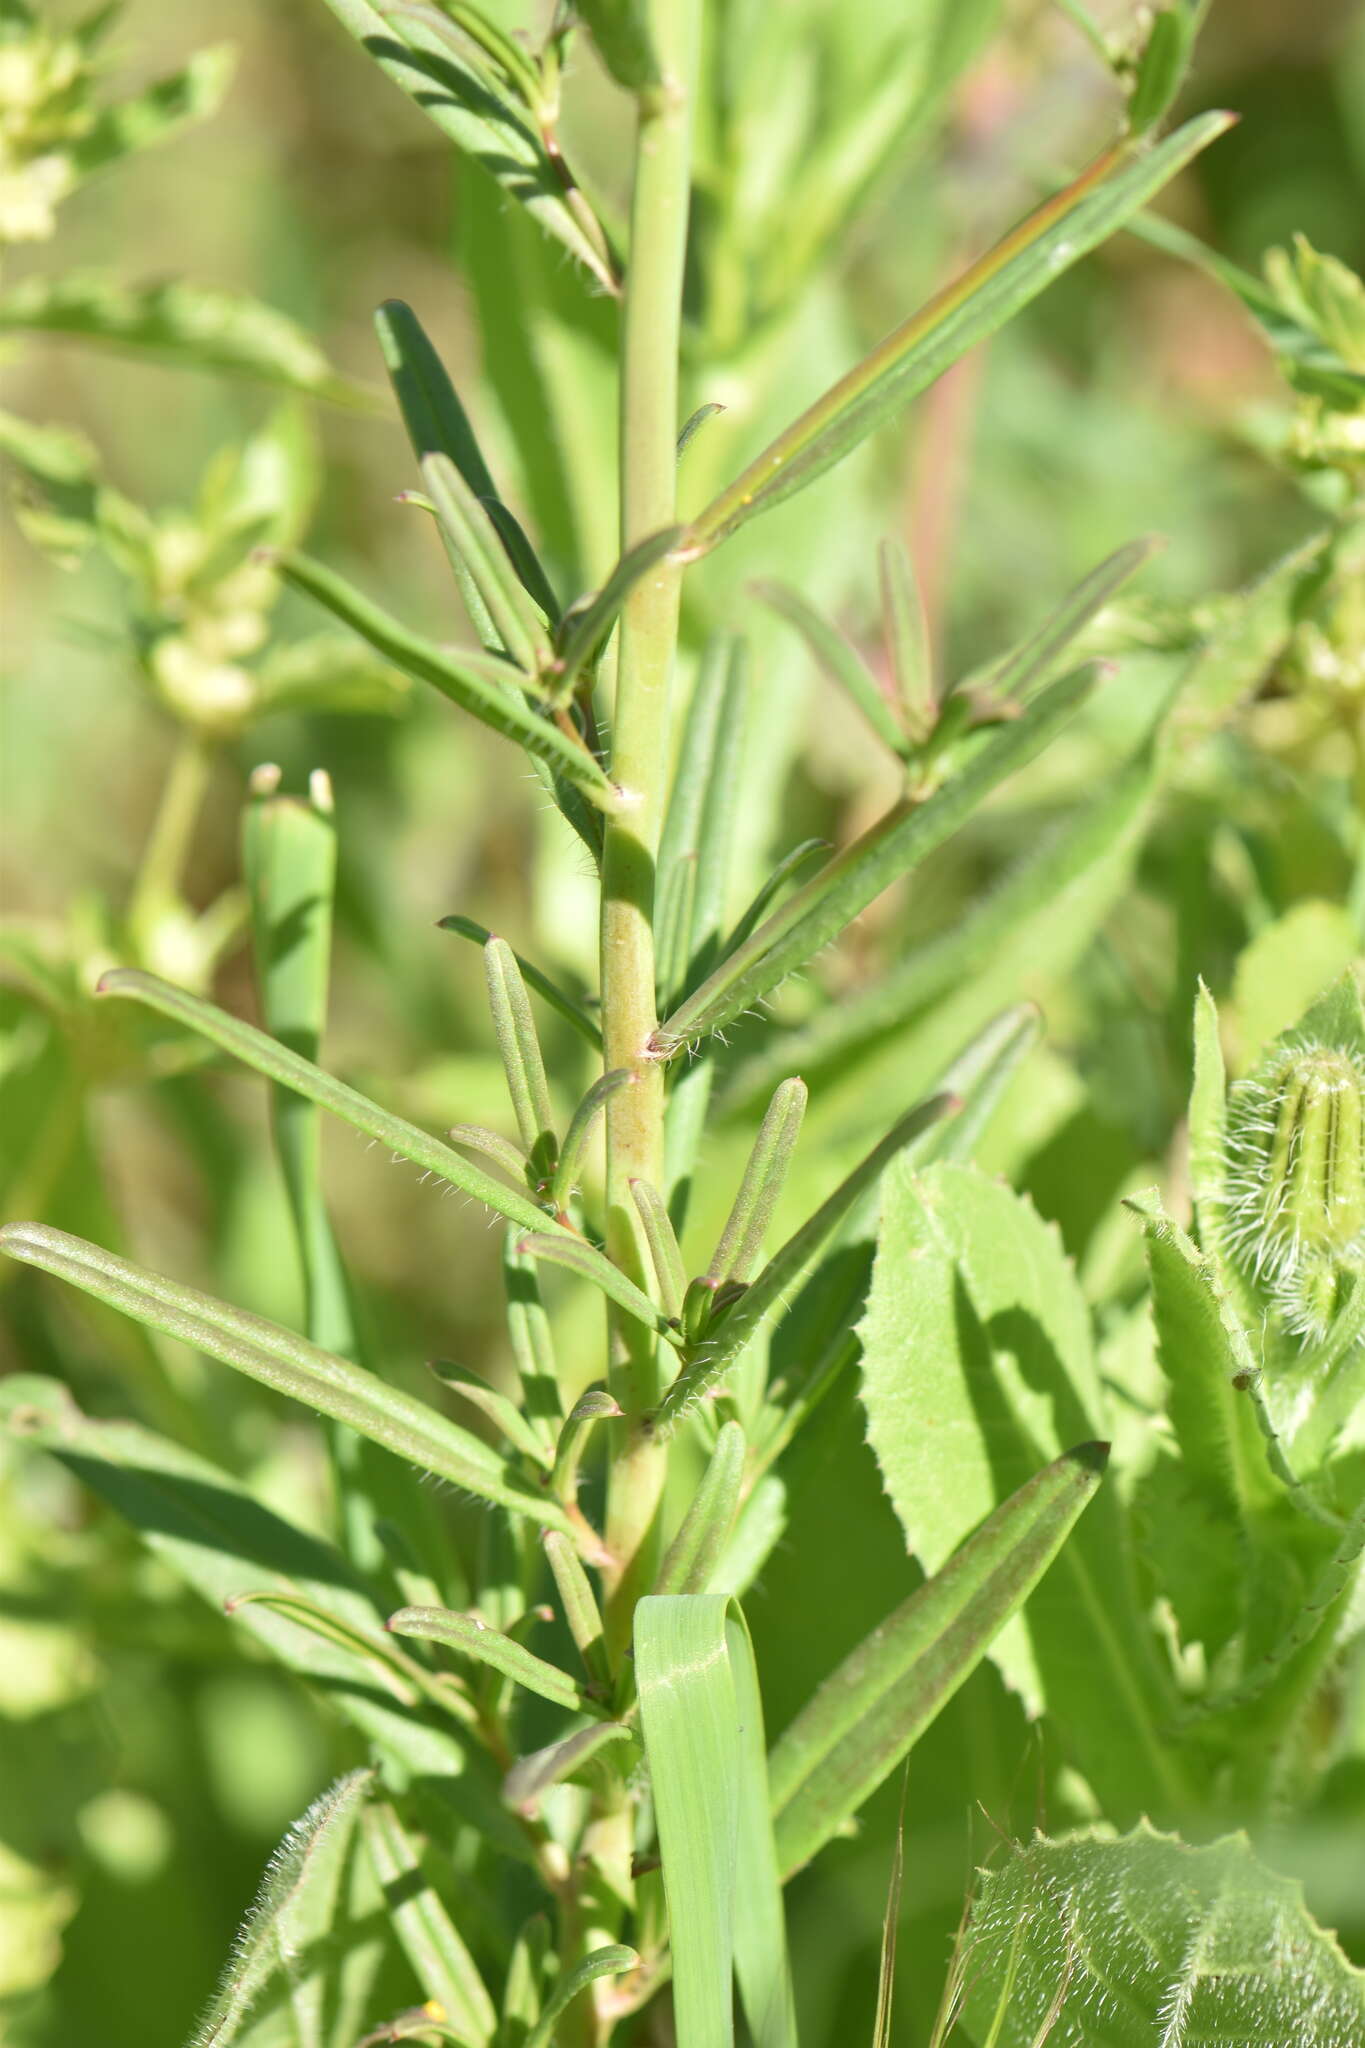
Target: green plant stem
(158, 881)
(649, 629)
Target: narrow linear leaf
(485, 1645)
(831, 899)
(492, 1144)
(503, 1413)
(580, 1608)
(481, 685)
(788, 1266)
(437, 424)
(909, 654)
(426, 61)
(694, 848)
(1109, 192)
(613, 1961)
(444, 1968)
(575, 1255)
(408, 1681)
(519, 1047)
(693, 1554)
(594, 1405)
(840, 660)
(586, 624)
(473, 539)
(289, 1364)
(620, 29)
(277, 1063)
(563, 1005)
(216, 1538)
(765, 1173)
(531, 1777)
(670, 1275)
(157, 113)
(284, 1917)
(871, 1710)
(583, 1122)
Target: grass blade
(291, 1912)
(475, 1639)
(787, 1267)
(481, 685)
(429, 1938)
(879, 1701)
(703, 1732)
(844, 887)
(1107, 194)
(290, 1364)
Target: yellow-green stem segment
(649, 627)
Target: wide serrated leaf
(1115, 187)
(186, 325)
(278, 1358)
(978, 1368)
(879, 1701)
(1145, 1941)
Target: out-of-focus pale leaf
(186, 325)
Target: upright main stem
(649, 631)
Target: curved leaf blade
(288, 1363)
(879, 1701)
(1108, 193)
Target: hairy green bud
(1296, 1180)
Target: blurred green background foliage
(147, 1761)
